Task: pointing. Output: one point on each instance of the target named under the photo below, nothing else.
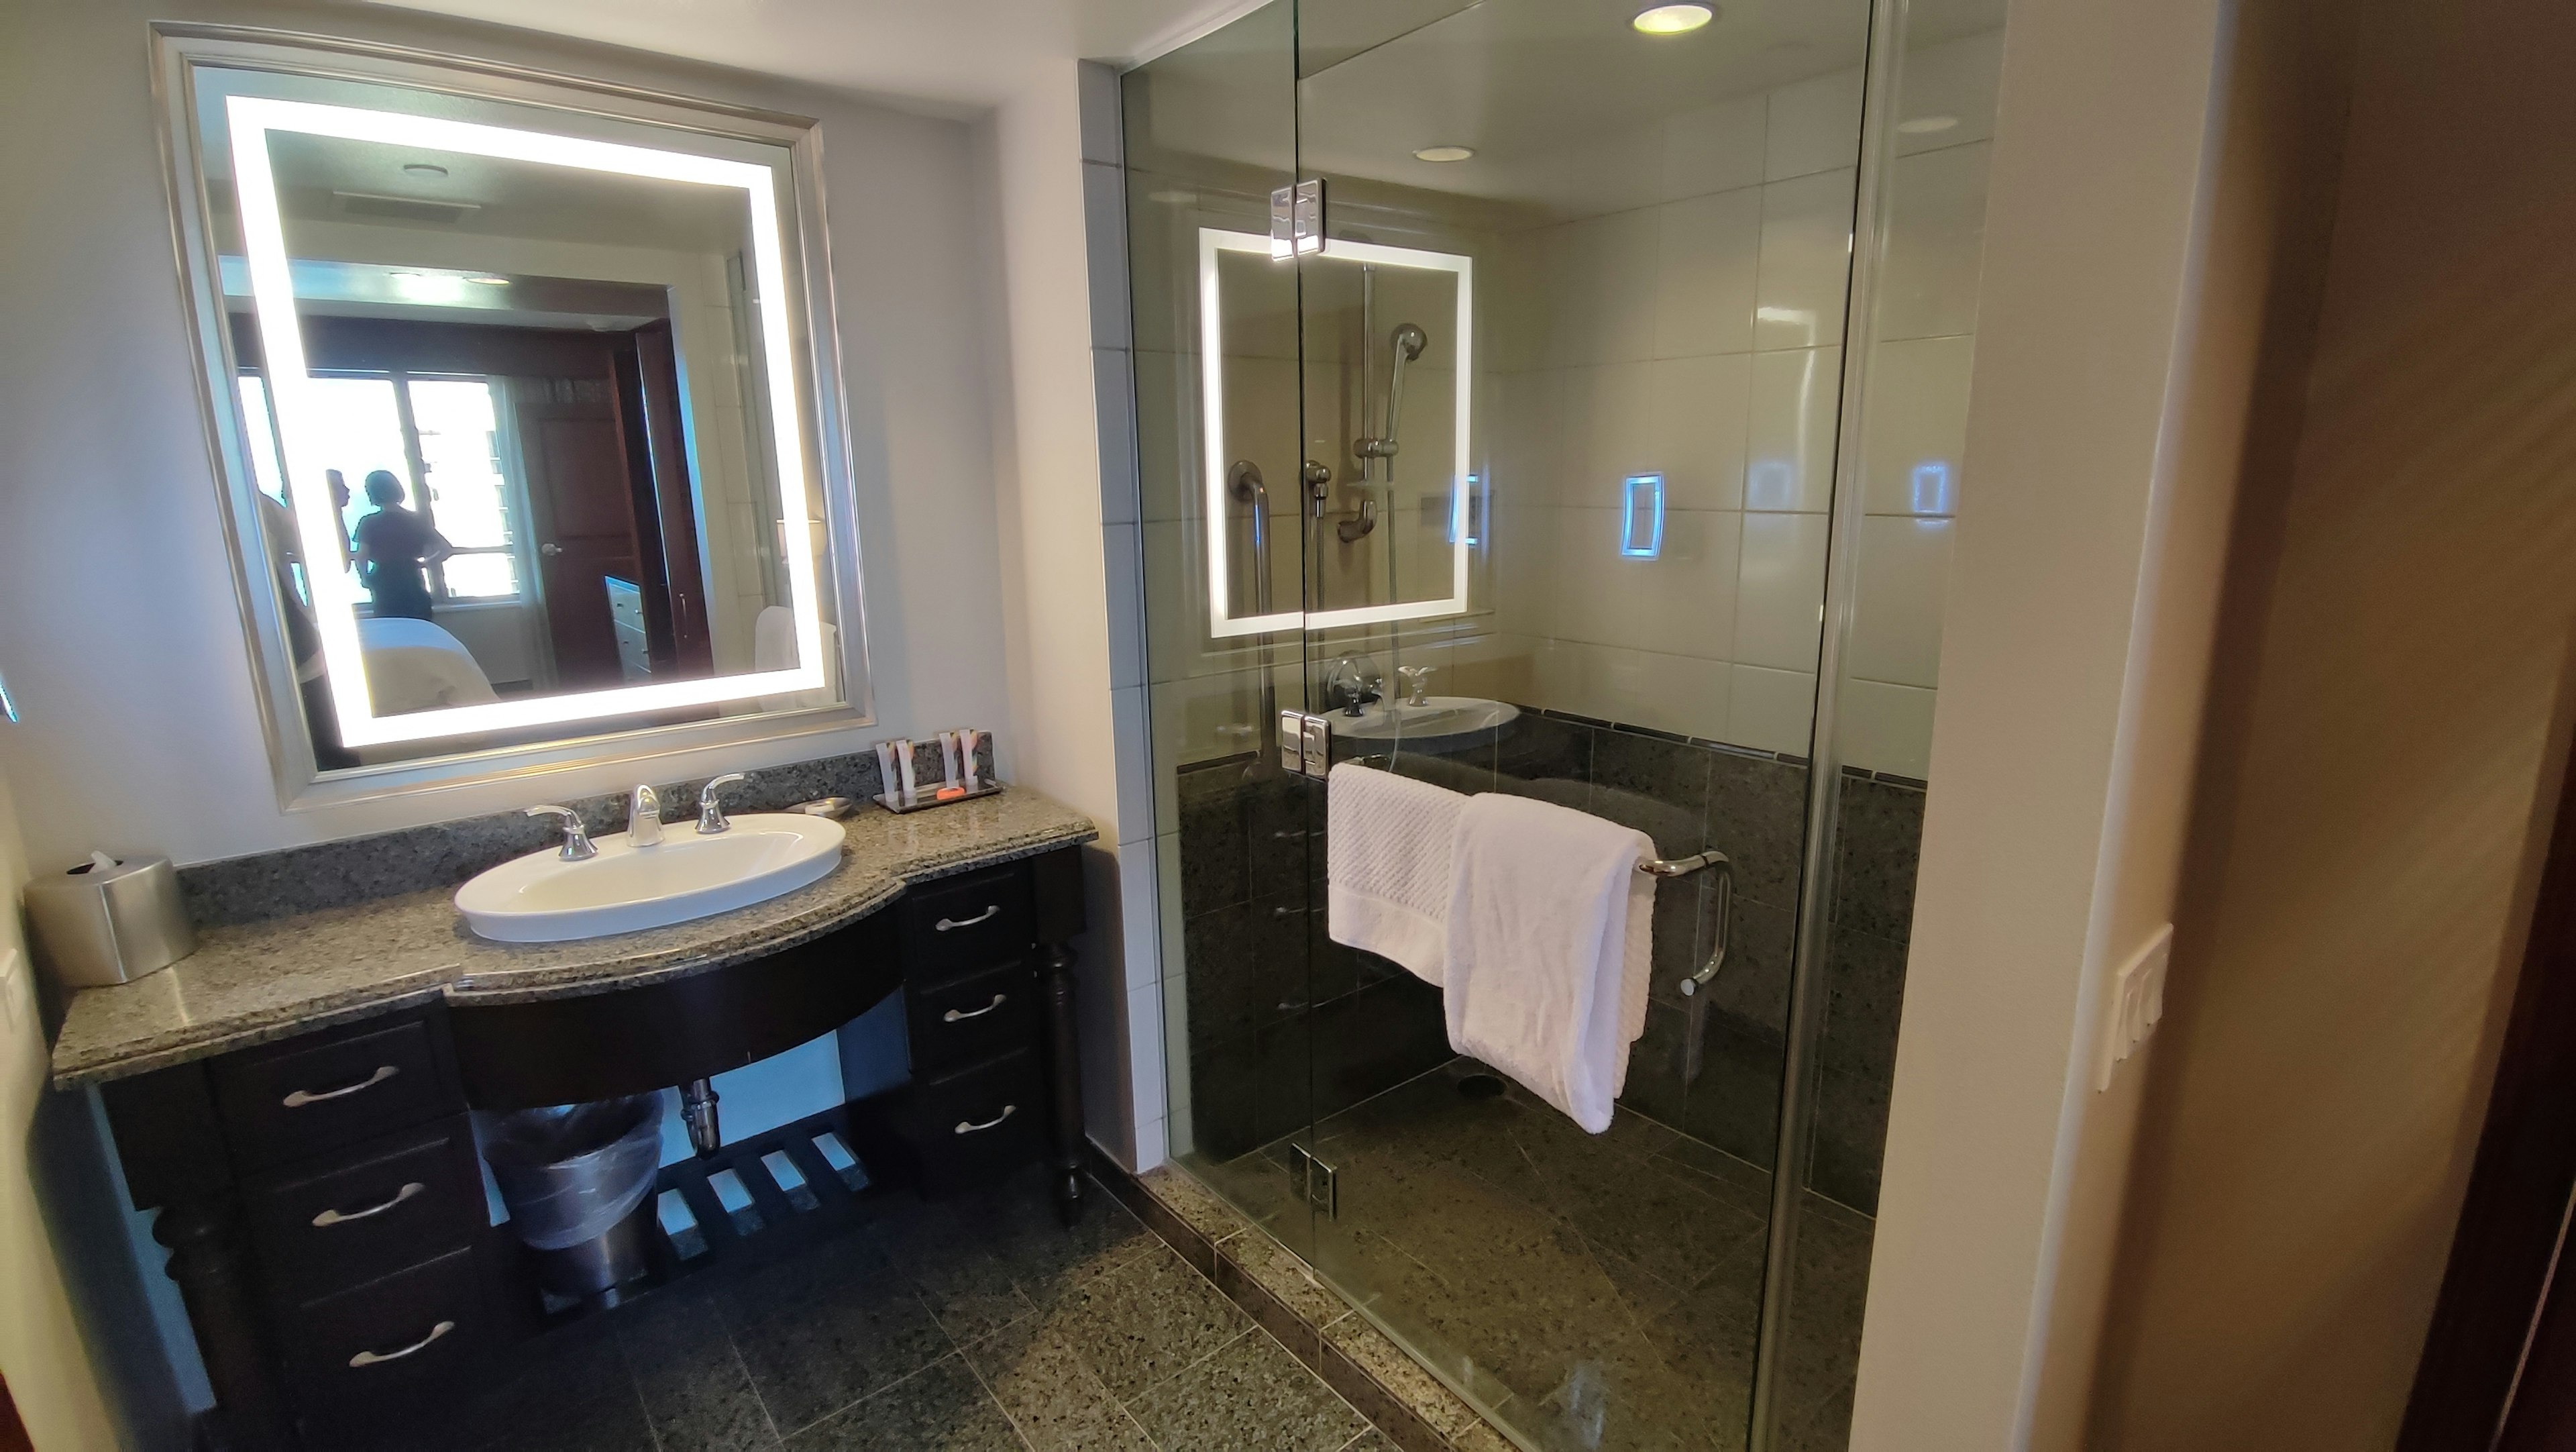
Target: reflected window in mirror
(530, 408)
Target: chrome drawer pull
(957, 1015)
(302, 1097)
(378, 1358)
(330, 1218)
(965, 1128)
(946, 923)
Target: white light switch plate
(9, 987)
(2137, 1001)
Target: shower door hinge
(1319, 1182)
(1297, 219)
(1305, 745)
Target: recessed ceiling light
(1444, 153)
(1658, 18)
(1926, 125)
(428, 169)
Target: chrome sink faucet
(577, 846)
(711, 813)
(643, 818)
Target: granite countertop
(249, 983)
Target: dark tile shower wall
(1285, 1025)
(1265, 983)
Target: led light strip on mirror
(335, 595)
(1222, 622)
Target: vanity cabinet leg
(215, 1285)
(1064, 1075)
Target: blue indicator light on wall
(1464, 513)
(1641, 523)
(1932, 488)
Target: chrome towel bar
(1682, 866)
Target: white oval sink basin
(1437, 724)
(540, 898)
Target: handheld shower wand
(1406, 342)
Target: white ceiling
(946, 53)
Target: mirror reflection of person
(394, 546)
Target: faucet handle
(577, 844)
(1417, 683)
(711, 813)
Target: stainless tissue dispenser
(97, 925)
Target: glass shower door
(1210, 139)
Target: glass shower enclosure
(1553, 406)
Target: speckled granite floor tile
(1250, 1395)
(1147, 1320)
(940, 1408)
(697, 1393)
(822, 1330)
(1048, 1393)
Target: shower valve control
(1305, 744)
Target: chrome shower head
(1409, 340)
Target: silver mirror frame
(301, 786)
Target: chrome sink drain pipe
(698, 1111)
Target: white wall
(1072, 579)
(2075, 639)
(118, 618)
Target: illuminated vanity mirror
(525, 398)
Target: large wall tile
(1771, 710)
(1683, 694)
(1780, 591)
(1886, 728)
(1715, 148)
(1935, 244)
(1789, 430)
(1611, 171)
(1904, 578)
(1806, 261)
(1814, 126)
(1877, 853)
(1915, 434)
(1603, 282)
(1955, 79)
(1696, 428)
(1606, 412)
(1757, 815)
(1707, 249)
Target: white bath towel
(1386, 861)
(1550, 938)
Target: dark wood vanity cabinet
(322, 1198)
(326, 1221)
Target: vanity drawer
(971, 1018)
(369, 1213)
(368, 1350)
(977, 1122)
(317, 1093)
(966, 924)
